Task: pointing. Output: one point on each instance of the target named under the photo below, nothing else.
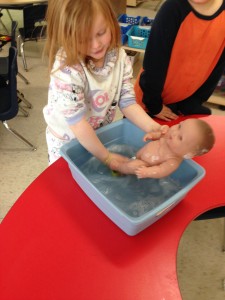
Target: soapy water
(133, 196)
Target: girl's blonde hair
(69, 23)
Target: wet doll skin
(163, 156)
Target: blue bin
(138, 36)
(134, 20)
(124, 28)
(146, 21)
(124, 132)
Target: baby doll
(164, 154)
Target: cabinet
(134, 2)
(119, 6)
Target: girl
(90, 77)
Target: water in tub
(133, 196)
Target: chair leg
(20, 137)
(19, 44)
(223, 249)
(10, 16)
(20, 97)
(23, 78)
(23, 56)
(23, 111)
(3, 25)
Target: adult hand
(166, 114)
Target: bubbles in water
(133, 196)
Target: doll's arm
(162, 170)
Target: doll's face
(184, 138)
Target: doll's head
(190, 138)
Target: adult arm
(158, 52)
(127, 103)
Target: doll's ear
(191, 155)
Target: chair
(8, 7)
(4, 70)
(14, 44)
(9, 101)
(34, 29)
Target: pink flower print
(95, 122)
(99, 100)
(63, 86)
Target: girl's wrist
(108, 159)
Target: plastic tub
(134, 20)
(146, 21)
(138, 36)
(124, 28)
(138, 206)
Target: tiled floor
(200, 261)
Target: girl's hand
(166, 114)
(156, 134)
(114, 160)
(164, 129)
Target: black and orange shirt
(185, 55)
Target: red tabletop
(56, 244)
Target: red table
(56, 244)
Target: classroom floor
(200, 260)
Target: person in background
(164, 155)
(184, 58)
(90, 77)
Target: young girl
(90, 77)
(163, 156)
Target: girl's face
(99, 40)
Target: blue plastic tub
(124, 28)
(138, 36)
(146, 21)
(130, 203)
(134, 20)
